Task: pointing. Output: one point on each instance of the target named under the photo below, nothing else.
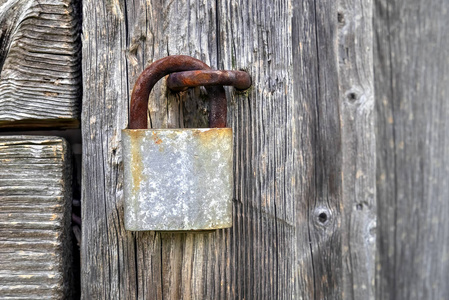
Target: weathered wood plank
(256, 36)
(411, 85)
(35, 210)
(336, 145)
(109, 265)
(355, 49)
(40, 74)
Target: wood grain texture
(287, 240)
(40, 75)
(355, 49)
(319, 163)
(35, 210)
(411, 84)
(256, 36)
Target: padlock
(176, 179)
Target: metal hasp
(182, 80)
(178, 179)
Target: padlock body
(177, 179)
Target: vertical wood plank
(411, 63)
(35, 214)
(358, 147)
(319, 158)
(108, 252)
(256, 36)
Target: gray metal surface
(177, 179)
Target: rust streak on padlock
(161, 68)
(180, 81)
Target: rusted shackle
(179, 179)
(197, 73)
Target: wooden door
(304, 198)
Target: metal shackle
(189, 72)
(162, 67)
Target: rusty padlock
(179, 179)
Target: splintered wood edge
(40, 62)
